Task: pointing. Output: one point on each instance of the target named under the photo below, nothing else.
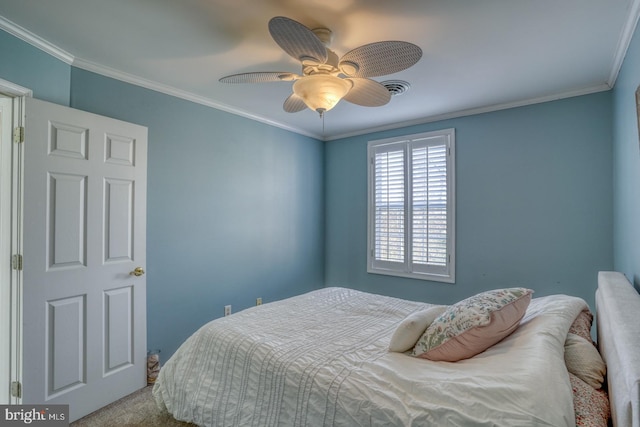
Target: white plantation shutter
(429, 207)
(389, 206)
(411, 206)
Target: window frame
(406, 268)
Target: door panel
(118, 329)
(84, 315)
(118, 222)
(65, 351)
(67, 225)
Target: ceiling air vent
(396, 87)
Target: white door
(84, 232)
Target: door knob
(137, 272)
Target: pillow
(412, 327)
(582, 325)
(584, 361)
(591, 406)
(473, 325)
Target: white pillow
(412, 327)
(584, 361)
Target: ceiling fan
(326, 78)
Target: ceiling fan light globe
(321, 91)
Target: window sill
(410, 275)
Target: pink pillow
(473, 325)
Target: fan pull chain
(321, 112)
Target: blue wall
(238, 209)
(626, 166)
(24, 65)
(534, 203)
(235, 207)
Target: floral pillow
(473, 325)
(591, 406)
(582, 325)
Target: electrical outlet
(227, 310)
(258, 301)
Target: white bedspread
(321, 359)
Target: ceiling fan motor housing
(328, 67)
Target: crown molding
(178, 93)
(476, 111)
(35, 40)
(64, 56)
(53, 50)
(625, 39)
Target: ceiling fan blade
(368, 93)
(260, 77)
(380, 58)
(293, 104)
(297, 40)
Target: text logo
(34, 415)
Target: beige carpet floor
(137, 409)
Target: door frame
(6, 180)
(11, 207)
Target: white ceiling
(478, 55)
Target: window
(411, 206)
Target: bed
(324, 359)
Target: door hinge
(16, 389)
(16, 262)
(18, 134)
